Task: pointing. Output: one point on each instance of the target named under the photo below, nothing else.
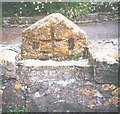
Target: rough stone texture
(12, 97)
(106, 73)
(58, 89)
(64, 89)
(105, 61)
(52, 37)
(7, 62)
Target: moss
(18, 110)
(75, 56)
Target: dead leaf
(18, 85)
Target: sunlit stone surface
(54, 36)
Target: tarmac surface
(94, 31)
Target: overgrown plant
(70, 9)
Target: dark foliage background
(72, 9)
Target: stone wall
(26, 21)
(70, 88)
(52, 86)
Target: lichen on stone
(52, 37)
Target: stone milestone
(54, 36)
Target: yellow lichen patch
(85, 91)
(45, 46)
(105, 86)
(60, 48)
(113, 100)
(51, 35)
(67, 33)
(18, 85)
(94, 91)
(8, 73)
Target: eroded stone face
(52, 37)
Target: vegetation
(18, 110)
(72, 9)
(75, 56)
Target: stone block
(106, 73)
(54, 34)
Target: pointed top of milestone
(54, 36)
(56, 18)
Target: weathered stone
(106, 73)
(7, 61)
(85, 72)
(105, 61)
(52, 37)
(13, 98)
